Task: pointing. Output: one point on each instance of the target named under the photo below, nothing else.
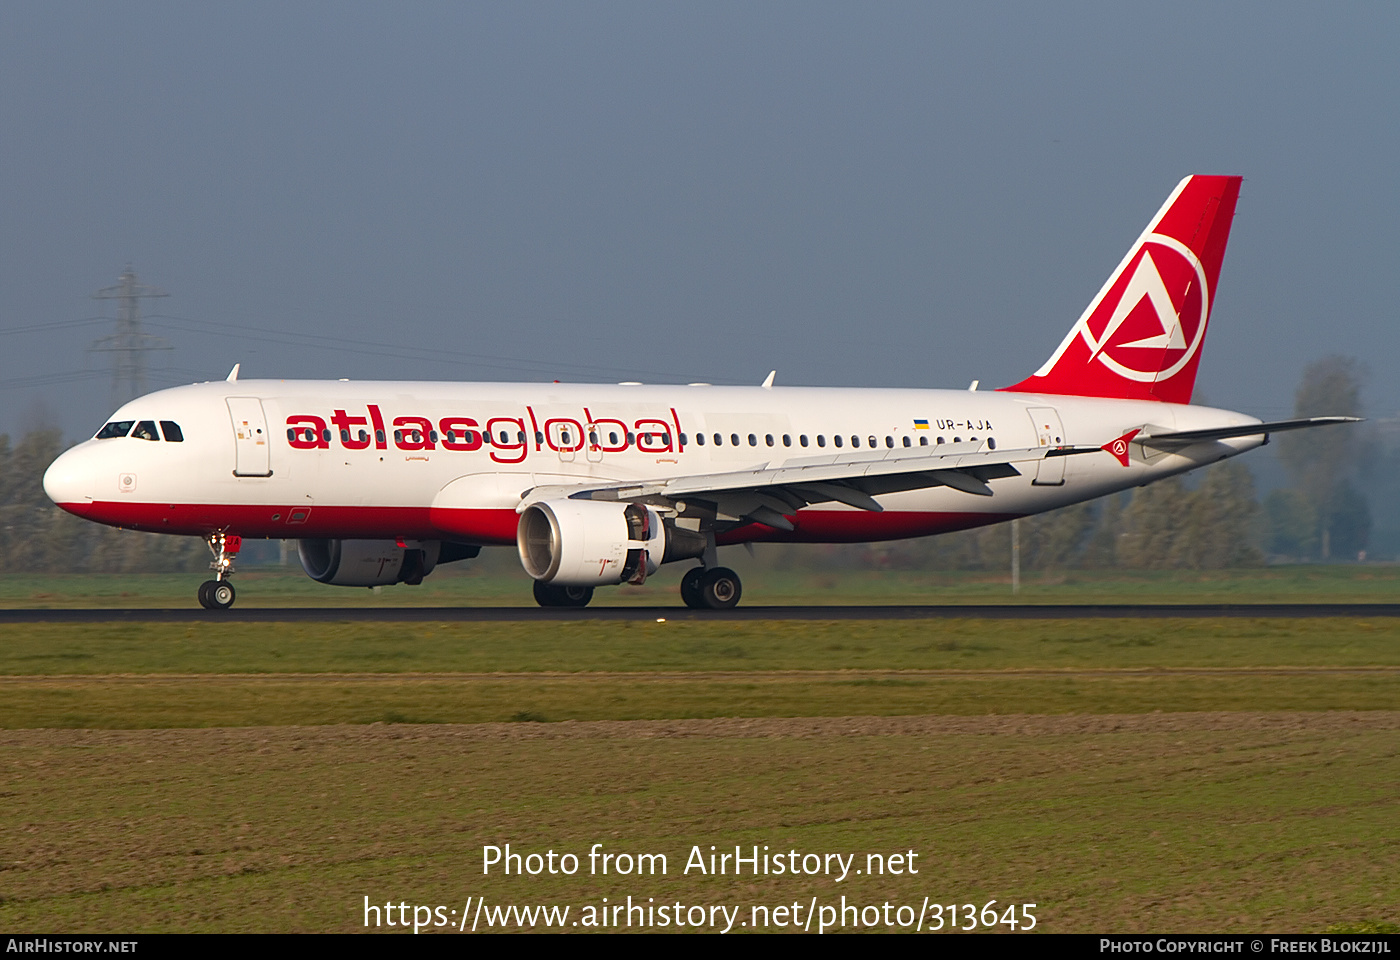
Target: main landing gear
(549, 595)
(711, 588)
(218, 594)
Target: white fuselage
(360, 459)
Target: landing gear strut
(712, 588)
(218, 594)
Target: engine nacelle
(588, 543)
(368, 563)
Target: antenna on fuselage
(767, 383)
(233, 374)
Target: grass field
(163, 675)
(1124, 775)
(1279, 823)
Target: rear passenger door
(1049, 432)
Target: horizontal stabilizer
(1181, 438)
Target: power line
(129, 346)
(398, 351)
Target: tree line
(38, 537)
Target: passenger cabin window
(768, 439)
(821, 439)
(906, 440)
(699, 438)
(171, 431)
(753, 441)
(146, 430)
(855, 441)
(836, 439)
(923, 441)
(802, 439)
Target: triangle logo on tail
(1140, 338)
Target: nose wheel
(218, 594)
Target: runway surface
(543, 615)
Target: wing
(769, 494)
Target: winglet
(1119, 447)
(768, 380)
(233, 374)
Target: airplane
(595, 485)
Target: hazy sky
(855, 194)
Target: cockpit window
(146, 430)
(171, 429)
(117, 428)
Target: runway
(747, 613)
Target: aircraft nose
(68, 483)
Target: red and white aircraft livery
(381, 481)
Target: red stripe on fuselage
(489, 527)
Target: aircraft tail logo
(1140, 337)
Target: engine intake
(588, 543)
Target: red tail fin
(1141, 337)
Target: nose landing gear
(218, 594)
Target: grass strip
(136, 702)
(148, 648)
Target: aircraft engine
(368, 563)
(588, 543)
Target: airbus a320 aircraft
(379, 482)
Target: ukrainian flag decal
(920, 424)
